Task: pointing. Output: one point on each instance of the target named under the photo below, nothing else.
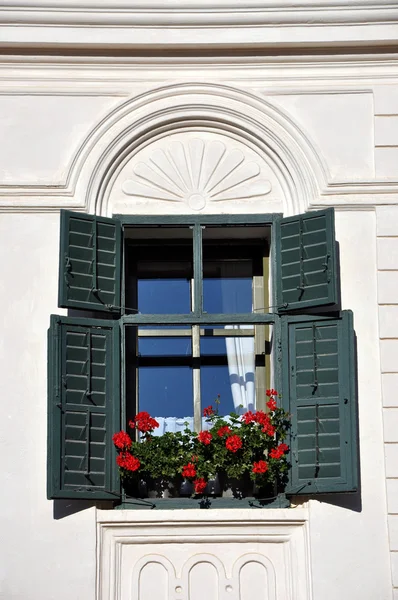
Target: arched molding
(225, 110)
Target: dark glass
(166, 391)
(214, 381)
(228, 287)
(165, 346)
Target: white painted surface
(66, 123)
(217, 554)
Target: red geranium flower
(269, 429)
(144, 422)
(260, 467)
(200, 485)
(205, 437)
(248, 417)
(279, 451)
(233, 443)
(225, 430)
(208, 411)
(271, 393)
(122, 440)
(125, 460)
(189, 471)
(271, 404)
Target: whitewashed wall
(63, 123)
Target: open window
(195, 307)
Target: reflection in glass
(228, 286)
(164, 346)
(166, 393)
(234, 368)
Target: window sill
(203, 503)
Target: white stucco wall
(49, 162)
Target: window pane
(164, 296)
(165, 346)
(166, 391)
(229, 370)
(159, 269)
(228, 287)
(232, 257)
(215, 380)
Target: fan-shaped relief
(196, 172)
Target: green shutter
(83, 408)
(306, 261)
(90, 258)
(319, 392)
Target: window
(189, 307)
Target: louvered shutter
(306, 261)
(319, 392)
(83, 408)
(90, 259)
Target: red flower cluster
(260, 467)
(233, 443)
(125, 460)
(271, 404)
(200, 485)
(225, 430)
(144, 422)
(189, 470)
(271, 392)
(205, 437)
(264, 420)
(279, 451)
(248, 417)
(122, 440)
(208, 411)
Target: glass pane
(165, 346)
(164, 296)
(215, 380)
(166, 392)
(159, 270)
(232, 257)
(228, 287)
(229, 370)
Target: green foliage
(236, 447)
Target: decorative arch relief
(191, 557)
(196, 171)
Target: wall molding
(128, 540)
(193, 23)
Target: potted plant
(236, 452)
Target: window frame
(197, 317)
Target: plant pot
(162, 487)
(233, 487)
(186, 488)
(267, 492)
(213, 487)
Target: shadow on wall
(65, 508)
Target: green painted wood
(319, 392)
(248, 219)
(90, 259)
(83, 408)
(204, 319)
(306, 261)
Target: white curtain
(240, 354)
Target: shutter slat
(84, 408)
(90, 262)
(319, 392)
(305, 261)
